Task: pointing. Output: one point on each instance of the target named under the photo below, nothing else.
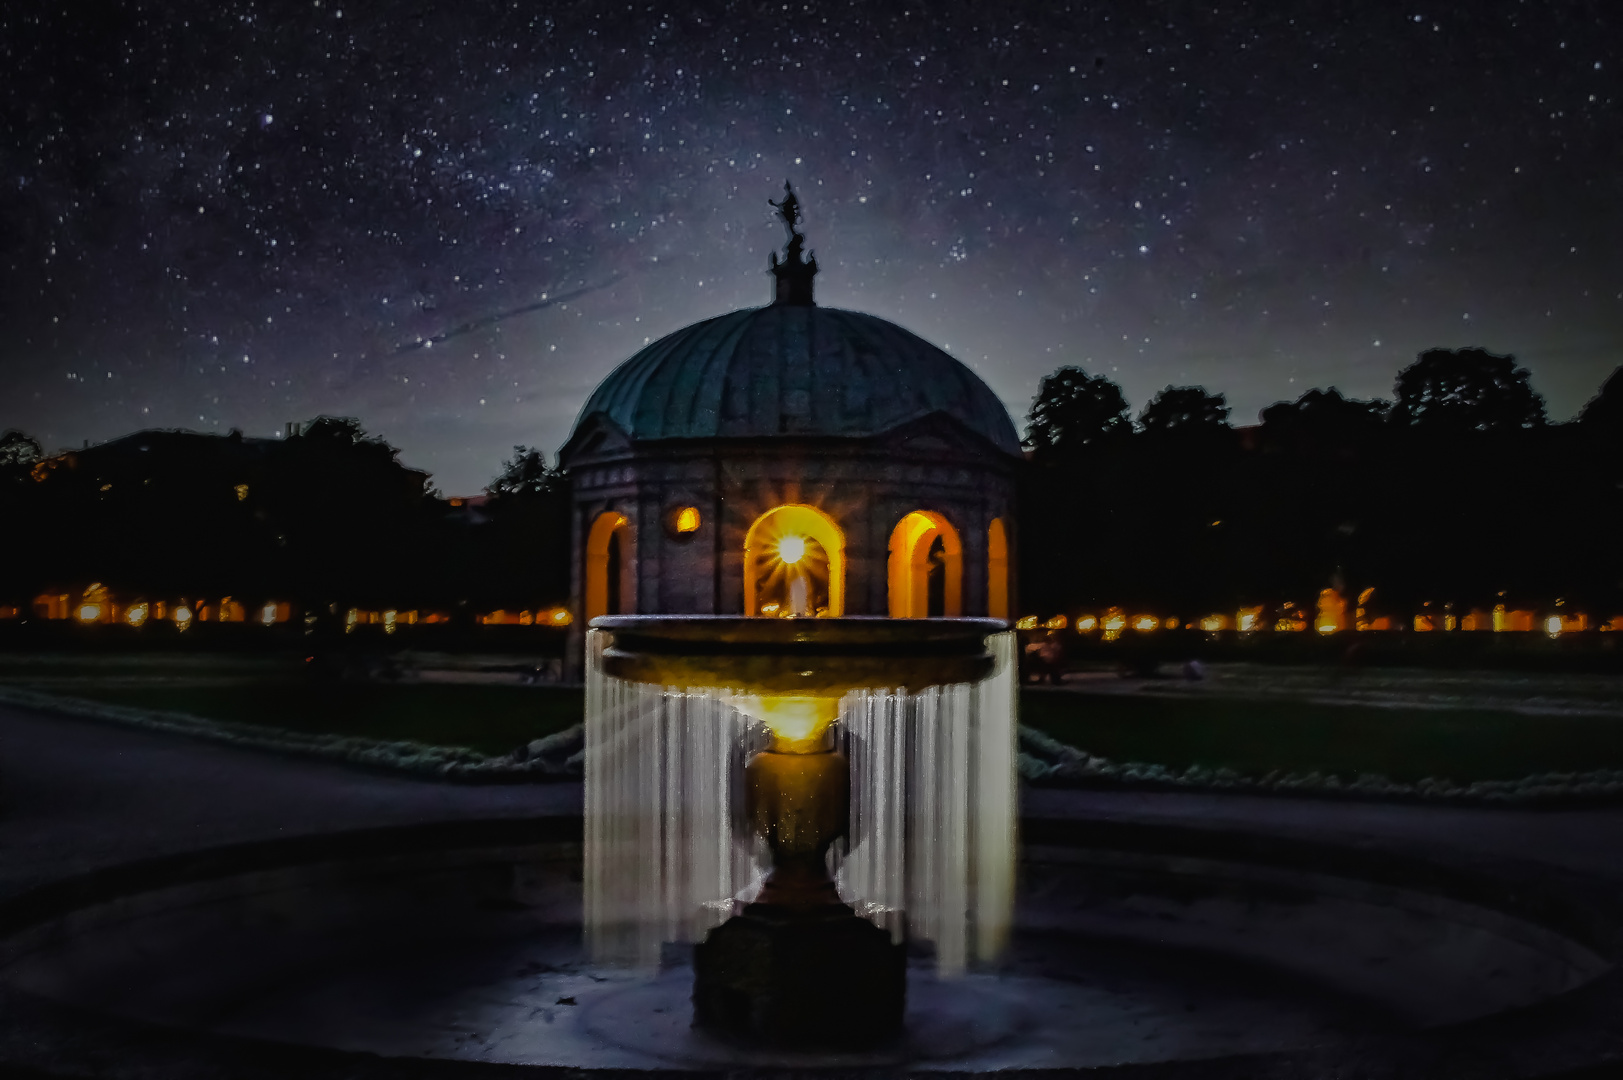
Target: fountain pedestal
(798, 966)
(819, 976)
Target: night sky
(219, 215)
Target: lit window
(687, 520)
(91, 612)
(242, 491)
(1086, 622)
(136, 614)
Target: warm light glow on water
(931, 851)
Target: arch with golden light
(606, 540)
(911, 545)
(794, 563)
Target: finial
(793, 272)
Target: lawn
(489, 719)
(1255, 737)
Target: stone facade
(866, 486)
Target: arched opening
(997, 570)
(794, 564)
(926, 563)
(605, 563)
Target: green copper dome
(794, 369)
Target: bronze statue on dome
(794, 273)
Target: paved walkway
(77, 794)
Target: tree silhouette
(526, 473)
(18, 452)
(1451, 391)
(1604, 412)
(1186, 410)
(1072, 410)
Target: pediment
(596, 437)
(939, 434)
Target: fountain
(726, 759)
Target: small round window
(685, 522)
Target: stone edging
(1044, 759)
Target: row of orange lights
(1331, 617)
(96, 605)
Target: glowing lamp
(1086, 622)
(1145, 622)
(791, 549)
(687, 520)
(183, 616)
(1552, 625)
(267, 614)
(136, 614)
(561, 617)
(89, 613)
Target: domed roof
(794, 369)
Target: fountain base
(820, 977)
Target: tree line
(326, 519)
(1456, 491)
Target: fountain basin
(1132, 946)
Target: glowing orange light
(1056, 623)
(89, 613)
(687, 520)
(791, 549)
(1026, 622)
(1249, 618)
(183, 616)
(1086, 622)
(560, 617)
(1552, 625)
(1145, 622)
(136, 614)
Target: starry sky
(452, 220)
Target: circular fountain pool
(1133, 946)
